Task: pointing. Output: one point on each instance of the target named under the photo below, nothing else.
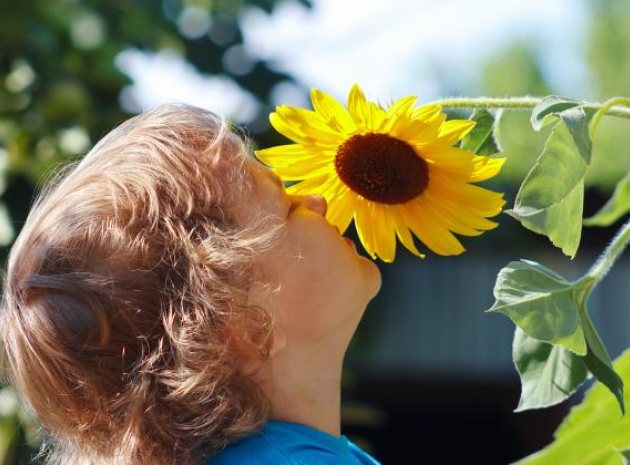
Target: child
(168, 303)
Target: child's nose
(316, 203)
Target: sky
(391, 49)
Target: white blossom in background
(165, 77)
(392, 49)
(399, 47)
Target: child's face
(324, 284)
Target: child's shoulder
(255, 449)
(281, 443)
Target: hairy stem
(518, 103)
(607, 259)
(607, 105)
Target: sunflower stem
(518, 103)
(608, 258)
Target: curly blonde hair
(125, 316)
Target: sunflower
(395, 171)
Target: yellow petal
(453, 130)
(309, 186)
(447, 219)
(462, 210)
(284, 155)
(341, 207)
(286, 130)
(308, 122)
(399, 113)
(297, 134)
(363, 224)
(432, 233)
(375, 117)
(304, 169)
(421, 132)
(486, 167)
(333, 113)
(477, 199)
(451, 161)
(384, 232)
(401, 106)
(402, 230)
(398, 125)
(357, 105)
(427, 112)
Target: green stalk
(607, 105)
(608, 258)
(521, 103)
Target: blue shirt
(283, 443)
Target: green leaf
(625, 455)
(481, 140)
(616, 207)
(598, 361)
(540, 302)
(549, 373)
(549, 109)
(551, 310)
(593, 433)
(550, 199)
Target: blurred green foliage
(608, 54)
(519, 71)
(516, 71)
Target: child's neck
(306, 385)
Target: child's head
(150, 274)
(126, 293)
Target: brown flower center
(381, 168)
